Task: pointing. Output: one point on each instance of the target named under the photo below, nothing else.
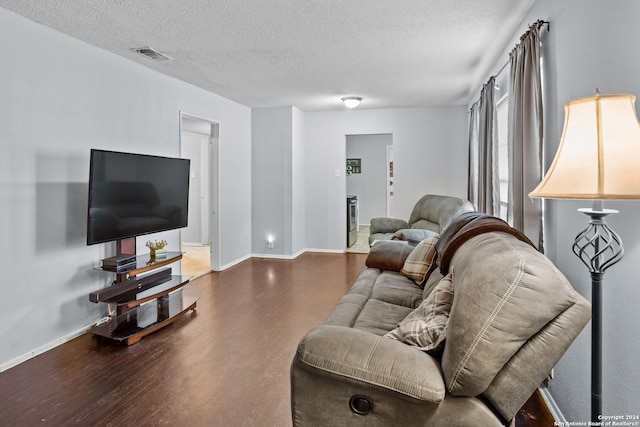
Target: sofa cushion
(388, 255)
(386, 225)
(393, 296)
(379, 317)
(506, 292)
(420, 260)
(424, 224)
(463, 228)
(397, 289)
(377, 301)
(429, 285)
(425, 327)
(413, 235)
(435, 209)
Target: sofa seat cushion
(377, 302)
(392, 297)
(503, 298)
(379, 317)
(394, 288)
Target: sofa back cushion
(506, 292)
(435, 212)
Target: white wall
(194, 146)
(592, 44)
(59, 97)
(430, 156)
(371, 184)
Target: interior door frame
(389, 157)
(214, 186)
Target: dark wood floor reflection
(227, 364)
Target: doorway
(199, 142)
(369, 165)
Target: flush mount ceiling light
(351, 101)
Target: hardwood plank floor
(227, 364)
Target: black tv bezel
(90, 193)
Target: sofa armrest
(387, 225)
(355, 356)
(388, 255)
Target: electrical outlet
(270, 245)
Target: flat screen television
(135, 194)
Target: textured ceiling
(309, 54)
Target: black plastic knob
(361, 405)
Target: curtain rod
(539, 23)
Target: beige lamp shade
(599, 153)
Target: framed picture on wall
(353, 166)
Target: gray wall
(277, 181)
(298, 170)
(592, 44)
(271, 160)
(371, 184)
(59, 98)
(429, 151)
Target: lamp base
(598, 247)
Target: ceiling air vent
(152, 54)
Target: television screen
(135, 194)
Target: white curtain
(484, 180)
(525, 135)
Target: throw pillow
(426, 326)
(420, 260)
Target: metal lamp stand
(599, 247)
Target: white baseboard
(553, 406)
(59, 341)
(232, 263)
(297, 254)
(326, 251)
(193, 244)
(44, 348)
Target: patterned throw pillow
(426, 326)
(420, 260)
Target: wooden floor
(227, 364)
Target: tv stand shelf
(144, 305)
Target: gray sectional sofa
(432, 213)
(511, 316)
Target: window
(502, 134)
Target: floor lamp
(597, 159)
